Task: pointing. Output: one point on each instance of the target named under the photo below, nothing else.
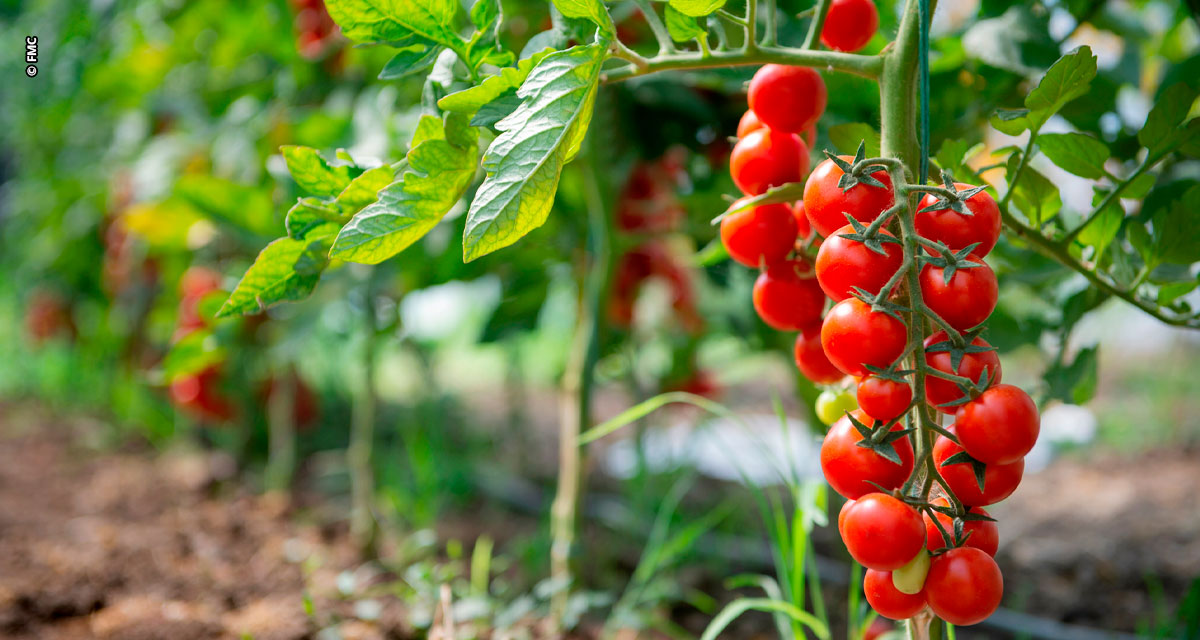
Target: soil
(127, 544)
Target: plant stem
(281, 433)
(1110, 198)
(860, 65)
(1016, 176)
(578, 382)
(820, 10)
(751, 26)
(771, 36)
(665, 44)
(363, 526)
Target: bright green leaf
(681, 26)
(1076, 153)
(953, 156)
(525, 161)
(484, 13)
(1140, 186)
(362, 190)
(1034, 194)
(1067, 79)
(372, 21)
(313, 173)
(696, 8)
(409, 61)
(1169, 293)
(1101, 231)
(469, 101)
(441, 164)
(593, 10)
(285, 270)
(1176, 236)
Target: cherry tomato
(967, 300)
(786, 98)
(958, 231)
(964, 586)
(984, 534)
(999, 480)
(939, 391)
(787, 296)
(878, 629)
(849, 25)
(843, 264)
(803, 228)
(883, 399)
(842, 515)
(888, 601)
(832, 405)
(811, 359)
(854, 335)
(848, 467)
(827, 205)
(748, 123)
(1000, 426)
(883, 533)
(759, 236)
(767, 158)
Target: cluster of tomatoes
(932, 550)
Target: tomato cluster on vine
(914, 488)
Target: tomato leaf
(1067, 79)
(373, 21)
(696, 8)
(847, 137)
(681, 26)
(1101, 231)
(593, 10)
(409, 61)
(313, 173)
(285, 270)
(1162, 129)
(495, 87)
(525, 161)
(1076, 153)
(1074, 382)
(1034, 194)
(441, 164)
(1176, 236)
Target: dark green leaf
(372, 21)
(1162, 129)
(1077, 153)
(1067, 79)
(1034, 194)
(1074, 382)
(409, 61)
(468, 101)
(681, 26)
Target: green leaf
(681, 26)
(441, 164)
(593, 10)
(484, 13)
(846, 137)
(1169, 293)
(1140, 186)
(285, 270)
(372, 21)
(1034, 194)
(741, 605)
(313, 173)
(1076, 153)
(1074, 383)
(1162, 129)
(308, 214)
(1176, 236)
(696, 8)
(1100, 232)
(953, 156)
(408, 62)
(1067, 79)
(469, 101)
(1017, 41)
(496, 110)
(525, 161)
(363, 190)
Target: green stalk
(860, 65)
(281, 434)
(578, 383)
(363, 527)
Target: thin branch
(1012, 180)
(818, 22)
(751, 26)
(665, 44)
(1111, 197)
(770, 37)
(860, 65)
(619, 50)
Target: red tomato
(811, 359)
(958, 231)
(1000, 426)
(843, 264)
(848, 467)
(842, 515)
(969, 298)
(765, 159)
(803, 228)
(886, 600)
(964, 586)
(748, 123)
(827, 205)
(759, 236)
(787, 99)
(854, 335)
(879, 627)
(983, 534)
(787, 296)
(938, 391)
(883, 533)
(999, 480)
(883, 399)
(849, 25)
(201, 394)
